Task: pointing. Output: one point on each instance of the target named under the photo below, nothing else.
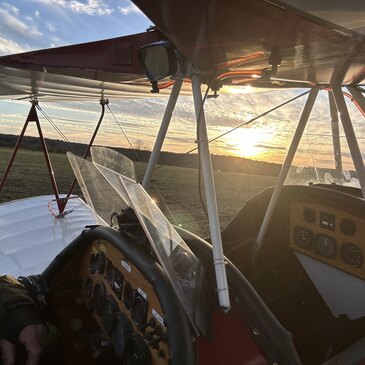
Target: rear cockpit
(309, 269)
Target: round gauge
(99, 298)
(138, 352)
(128, 294)
(122, 329)
(139, 310)
(111, 308)
(348, 227)
(309, 215)
(109, 271)
(351, 254)
(92, 263)
(325, 246)
(303, 237)
(100, 262)
(89, 287)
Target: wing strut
(204, 155)
(33, 117)
(162, 132)
(285, 168)
(103, 102)
(350, 136)
(335, 137)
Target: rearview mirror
(159, 60)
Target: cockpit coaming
(112, 302)
(110, 298)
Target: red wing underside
(265, 34)
(306, 48)
(108, 68)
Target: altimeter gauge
(325, 246)
(351, 254)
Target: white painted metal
(286, 166)
(30, 236)
(336, 137)
(350, 137)
(218, 256)
(175, 92)
(342, 292)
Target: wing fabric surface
(108, 68)
(286, 45)
(305, 48)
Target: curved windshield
(104, 188)
(113, 160)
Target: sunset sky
(35, 24)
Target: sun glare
(246, 142)
(239, 89)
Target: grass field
(175, 187)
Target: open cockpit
(309, 270)
(296, 301)
(284, 282)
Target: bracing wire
(139, 159)
(53, 124)
(225, 133)
(124, 134)
(240, 126)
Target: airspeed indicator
(303, 237)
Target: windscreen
(113, 160)
(105, 188)
(180, 264)
(97, 191)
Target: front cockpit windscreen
(97, 191)
(180, 264)
(113, 160)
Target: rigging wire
(53, 124)
(239, 126)
(139, 159)
(164, 202)
(124, 134)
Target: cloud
(129, 9)
(16, 26)
(51, 27)
(11, 8)
(89, 7)
(8, 47)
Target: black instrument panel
(125, 305)
(329, 235)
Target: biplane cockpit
(284, 282)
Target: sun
(246, 142)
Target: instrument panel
(125, 305)
(329, 235)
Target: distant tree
(139, 145)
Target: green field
(176, 187)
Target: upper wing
(305, 47)
(287, 47)
(108, 68)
